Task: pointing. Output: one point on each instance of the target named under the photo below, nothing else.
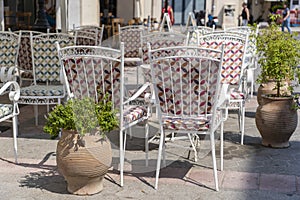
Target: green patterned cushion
(42, 90)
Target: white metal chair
(233, 68)
(188, 96)
(46, 88)
(93, 71)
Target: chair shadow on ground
(46, 180)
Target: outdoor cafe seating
(190, 79)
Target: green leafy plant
(279, 54)
(82, 115)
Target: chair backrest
(24, 56)
(234, 54)
(186, 80)
(192, 37)
(131, 37)
(205, 29)
(9, 48)
(161, 40)
(46, 65)
(88, 35)
(93, 71)
(252, 34)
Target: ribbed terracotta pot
(276, 120)
(83, 162)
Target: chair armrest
(14, 87)
(223, 100)
(8, 73)
(138, 92)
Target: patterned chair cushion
(42, 90)
(5, 109)
(133, 113)
(200, 123)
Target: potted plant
(83, 152)
(276, 116)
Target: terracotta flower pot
(83, 163)
(276, 120)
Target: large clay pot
(276, 120)
(83, 162)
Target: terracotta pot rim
(267, 96)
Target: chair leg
(213, 153)
(130, 133)
(222, 145)
(252, 88)
(15, 133)
(121, 158)
(147, 143)
(164, 150)
(137, 76)
(242, 123)
(36, 114)
(193, 147)
(160, 149)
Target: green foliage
(83, 115)
(279, 54)
(276, 7)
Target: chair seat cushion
(133, 113)
(5, 109)
(42, 90)
(200, 123)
